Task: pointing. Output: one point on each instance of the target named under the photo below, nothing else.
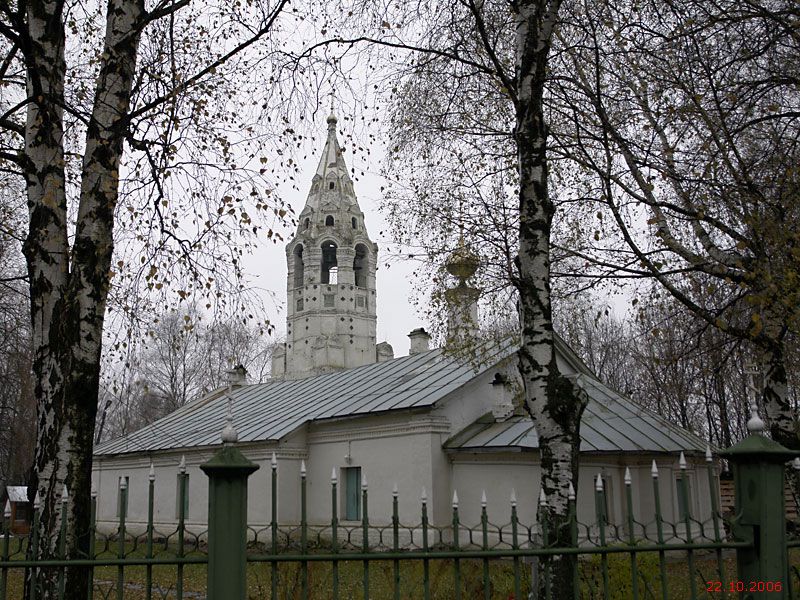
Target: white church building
(338, 402)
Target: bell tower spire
(331, 312)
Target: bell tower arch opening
(299, 267)
(328, 261)
(360, 266)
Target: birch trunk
(69, 288)
(554, 402)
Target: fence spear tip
(302, 468)
(394, 490)
(455, 499)
(598, 484)
(7, 511)
(363, 482)
(627, 475)
(37, 501)
(682, 462)
(654, 470)
(796, 464)
(65, 494)
(152, 474)
(274, 461)
(333, 475)
(708, 453)
(483, 498)
(542, 498)
(424, 495)
(182, 465)
(513, 497)
(94, 491)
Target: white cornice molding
(417, 426)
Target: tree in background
(119, 123)
(687, 154)
(180, 360)
(17, 404)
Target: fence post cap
(363, 482)
(455, 499)
(65, 493)
(758, 448)
(598, 483)
(542, 498)
(709, 457)
(94, 491)
(682, 462)
(483, 498)
(37, 501)
(182, 464)
(571, 492)
(654, 470)
(333, 475)
(7, 511)
(627, 475)
(229, 461)
(274, 461)
(302, 468)
(424, 495)
(394, 490)
(152, 474)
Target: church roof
(610, 423)
(269, 411)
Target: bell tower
(331, 312)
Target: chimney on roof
(237, 376)
(420, 341)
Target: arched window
(328, 261)
(307, 223)
(329, 221)
(298, 266)
(360, 265)
(354, 222)
(331, 185)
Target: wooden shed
(16, 498)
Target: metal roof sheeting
(17, 493)
(269, 411)
(611, 423)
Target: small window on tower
(299, 304)
(331, 185)
(333, 275)
(361, 302)
(327, 300)
(308, 223)
(354, 222)
(329, 221)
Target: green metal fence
(657, 558)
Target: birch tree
(95, 99)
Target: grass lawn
(411, 579)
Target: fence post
(758, 474)
(227, 473)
